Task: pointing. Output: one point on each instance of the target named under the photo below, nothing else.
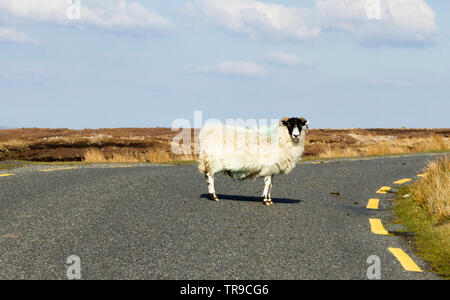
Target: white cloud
(235, 68)
(12, 35)
(287, 59)
(399, 23)
(256, 19)
(103, 14)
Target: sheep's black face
(295, 127)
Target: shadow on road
(252, 198)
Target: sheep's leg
(267, 200)
(210, 181)
(270, 189)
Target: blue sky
(147, 63)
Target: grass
(14, 144)
(433, 191)
(374, 147)
(95, 155)
(10, 165)
(426, 211)
(154, 145)
(369, 146)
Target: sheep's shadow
(252, 198)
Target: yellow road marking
(406, 261)
(377, 227)
(402, 181)
(116, 167)
(5, 175)
(422, 175)
(373, 203)
(60, 169)
(383, 190)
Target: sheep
(244, 153)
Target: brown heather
(153, 144)
(374, 147)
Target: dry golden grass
(433, 143)
(330, 152)
(130, 144)
(427, 213)
(14, 144)
(95, 155)
(433, 191)
(125, 157)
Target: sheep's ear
(284, 121)
(305, 122)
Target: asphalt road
(155, 222)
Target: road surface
(155, 222)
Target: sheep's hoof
(267, 202)
(213, 197)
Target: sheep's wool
(248, 152)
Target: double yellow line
(402, 181)
(383, 190)
(407, 263)
(58, 169)
(49, 170)
(376, 226)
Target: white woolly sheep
(251, 152)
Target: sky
(340, 64)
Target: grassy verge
(10, 165)
(77, 163)
(424, 207)
(432, 144)
(151, 155)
